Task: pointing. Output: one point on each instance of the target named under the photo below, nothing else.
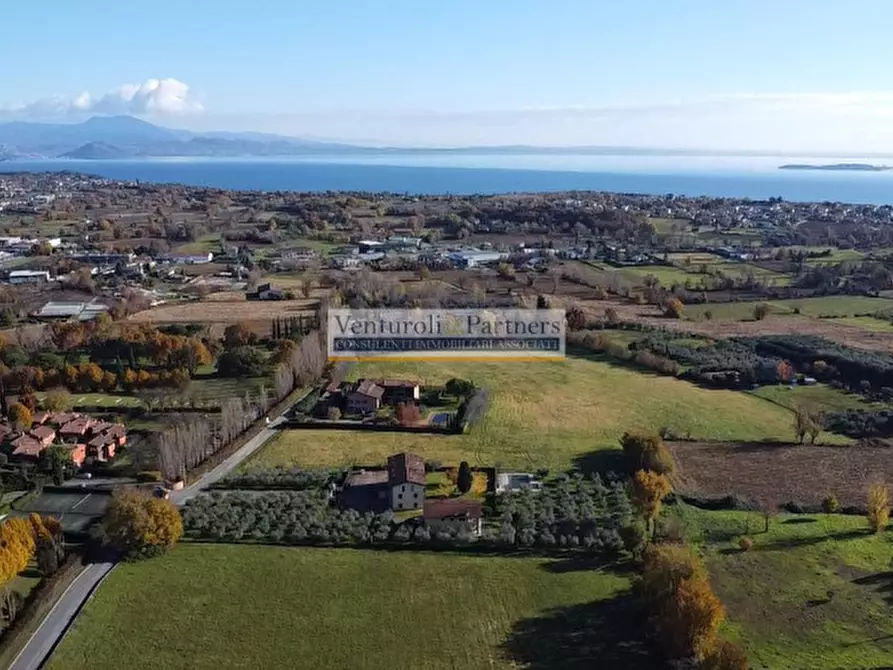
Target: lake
(746, 177)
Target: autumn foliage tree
(684, 611)
(576, 319)
(674, 308)
(141, 525)
(49, 543)
(785, 372)
(878, 506)
(407, 413)
(649, 490)
(16, 547)
(20, 416)
(807, 421)
(646, 451)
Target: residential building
(26, 446)
(398, 390)
(471, 259)
(399, 487)
(454, 515)
(365, 398)
(406, 479)
(43, 434)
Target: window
(399, 496)
(415, 495)
(403, 488)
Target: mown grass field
(814, 592)
(821, 397)
(542, 415)
(225, 606)
(827, 306)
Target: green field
(542, 415)
(826, 306)
(109, 400)
(225, 606)
(665, 274)
(813, 592)
(868, 323)
(665, 226)
(823, 398)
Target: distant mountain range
(116, 137)
(121, 137)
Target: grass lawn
(822, 397)
(665, 274)
(224, 606)
(868, 323)
(206, 243)
(541, 415)
(813, 592)
(665, 226)
(835, 306)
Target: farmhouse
(365, 398)
(454, 515)
(83, 437)
(400, 487)
(406, 479)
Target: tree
(726, 655)
(506, 270)
(785, 372)
(16, 547)
(20, 416)
(140, 525)
(57, 460)
(407, 414)
(238, 335)
(761, 311)
(57, 400)
(333, 414)
(646, 451)
(685, 612)
(49, 543)
(242, 361)
(465, 478)
(649, 489)
(807, 421)
(542, 302)
(674, 309)
(611, 315)
(458, 387)
(576, 319)
(878, 506)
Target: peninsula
(852, 167)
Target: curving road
(53, 628)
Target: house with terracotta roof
(454, 515)
(25, 446)
(76, 428)
(401, 486)
(365, 398)
(78, 452)
(43, 434)
(406, 480)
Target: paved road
(180, 498)
(60, 618)
(63, 613)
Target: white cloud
(154, 97)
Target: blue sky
(797, 74)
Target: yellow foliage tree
(878, 506)
(16, 547)
(20, 416)
(649, 489)
(141, 525)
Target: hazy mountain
(105, 137)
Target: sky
(781, 75)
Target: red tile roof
(448, 508)
(26, 445)
(77, 427)
(396, 383)
(43, 432)
(406, 469)
(369, 388)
